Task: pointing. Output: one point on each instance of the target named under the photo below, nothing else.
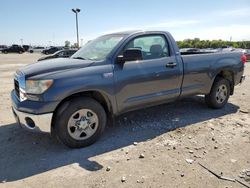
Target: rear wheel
(219, 94)
(81, 123)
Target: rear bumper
(242, 79)
(41, 123)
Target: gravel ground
(156, 147)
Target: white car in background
(37, 49)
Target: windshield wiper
(79, 58)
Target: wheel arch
(97, 95)
(228, 75)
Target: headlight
(37, 86)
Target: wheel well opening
(99, 97)
(229, 76)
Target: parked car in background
(59, 54)
(36, 49)
(51, 50)
(3, 47)
(247, 54)
(189, 50)
(26, 47)
(226, 49)
(14, 49)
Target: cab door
(153, 79)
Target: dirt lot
(156, 147)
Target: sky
(51, 22)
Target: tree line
(197, 43)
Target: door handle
(171, 65)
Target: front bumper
(41, 123)
(33, 115)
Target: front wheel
(219, 94)
(81, 123)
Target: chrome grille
(16, 86)
(19, 85)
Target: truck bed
(199, 69)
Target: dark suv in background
(51, 50)
(14, 49)
(59, 54)
(26, 47)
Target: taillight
(243, 59)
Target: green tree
(67, 43)
(197, 43)
(74, 45)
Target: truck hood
(54, 65)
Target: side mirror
(132, 54)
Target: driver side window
(152, 46)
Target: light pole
(76, 11)
(21, 41)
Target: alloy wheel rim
(82, 124)
(221, 93)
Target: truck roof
(130, 32)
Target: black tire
(31, 51)
(20, 52)
(65, 112)
(46, 53)
(5, 52)
(214, 101)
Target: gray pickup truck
(74, 98)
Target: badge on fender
(108, 74)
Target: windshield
(99, 48)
